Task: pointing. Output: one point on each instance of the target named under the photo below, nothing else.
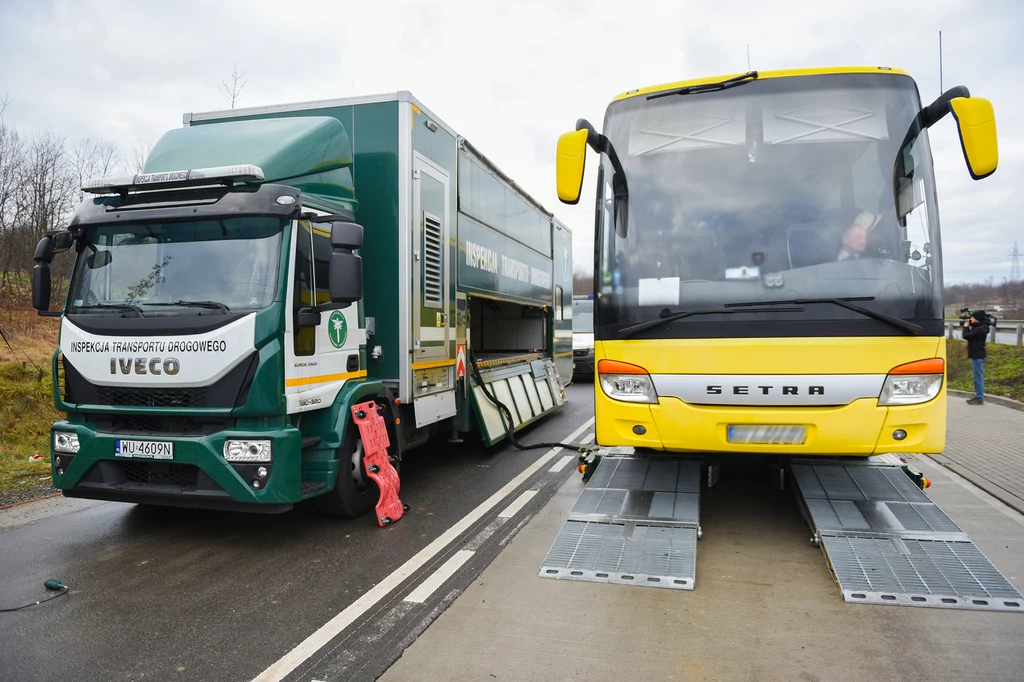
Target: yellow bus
(768, 266)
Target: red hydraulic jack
(374, 434)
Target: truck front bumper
(196, 476)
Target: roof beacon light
(181, 178)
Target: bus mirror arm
(602, 145)
(932, 114)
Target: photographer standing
(975, 333)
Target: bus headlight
(65, 442)
(248, 451)
(913, 383)
(626, 382)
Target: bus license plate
(774, 434)
(144, 449)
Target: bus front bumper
(860, 428)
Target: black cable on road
(506, 419)
(50, 585)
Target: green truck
(272, 267)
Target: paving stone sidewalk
(985, 444)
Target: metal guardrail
(1004, 326)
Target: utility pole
(748, 56)
(1014, 255)
(940, 62)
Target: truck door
(433, 336)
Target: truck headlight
(65, 442)
(248, 451)
(913, 383)
(623, 381)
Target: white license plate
(767, 435)
(144, 449)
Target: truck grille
(152, 397)
(160, 424)
(581, 353)
(159, 473)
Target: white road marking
(294, 658)
(438, 578)
(560, 464)
(513, 509)
(589, 439)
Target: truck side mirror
(346, 268)
(51, 243)
(976, 122)
(41, 286)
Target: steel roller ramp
(886, 543)
(637, 523)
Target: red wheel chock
(374, 434)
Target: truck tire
(354, 492)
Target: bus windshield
(806, 187)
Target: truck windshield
(205, 267)
(583, 316)
(785, 188)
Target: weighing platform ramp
(887, 543)
(637, 523)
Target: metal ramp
(637, 523)
(886, 543)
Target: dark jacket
(975, 336)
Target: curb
(1005, 496)
(995, 399)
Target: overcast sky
(512, 76)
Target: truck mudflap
(885, 542)
(374, 434)
(528, 386)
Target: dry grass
(26, 402)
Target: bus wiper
(214, 305)
(709, 87)
(897, 322)
(113, 306)
(669, 316)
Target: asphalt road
(169, 594)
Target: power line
(1015, 263)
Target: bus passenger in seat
(855, 237)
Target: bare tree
(11, 161)
(137, 154)
(233, 92)
(4, 102)
(92, 158)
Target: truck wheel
(354, 492)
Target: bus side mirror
(976, 122)
(345, 270)
(570, 160)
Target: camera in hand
(965, 313)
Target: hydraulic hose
(507, 421)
